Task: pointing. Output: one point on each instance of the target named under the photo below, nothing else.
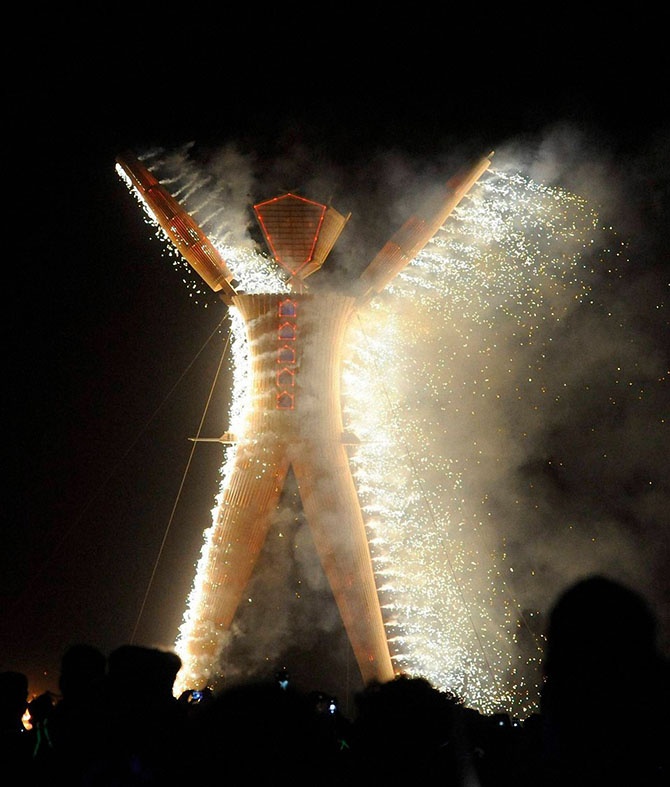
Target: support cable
(186, 471)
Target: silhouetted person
(16, 742)
(261, 733)
(405, 731)
(143, 724)
(499, 747)
(604, 704)
(69, 733)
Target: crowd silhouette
(601, 722)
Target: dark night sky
(110, 360)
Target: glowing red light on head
(299, 232)
(291, 227)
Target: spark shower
(460, 335)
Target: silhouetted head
(599, 620)
(605, 691)
(600, 642)
(140, 672)
(83, 667)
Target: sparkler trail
(421, 387)
(437, 369)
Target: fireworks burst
(422, 382)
